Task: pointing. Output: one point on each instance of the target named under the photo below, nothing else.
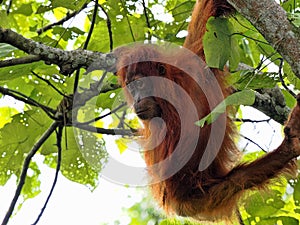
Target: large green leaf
(264, 204)
(17, 138)
(6, 49)
(245, 97)
(12, 72)
(83, 156)
(24, 9)
(249, 79)
(219, 39)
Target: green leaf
(122, 144)
(6, 114)
(109, 99)
(217, 39)
(83, 156)
(17, 139)
(31, 187)
(296, 193)
(289, 99)
(69, 4)
(248, 79)
(24, 9)
(12, 72)
(245, 97)
(6, 49)
(270, 202)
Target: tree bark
(271, 21)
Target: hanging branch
(147, 19)
(60, 22)
(25, 167)
(59, 153)
(282, 81)
(9, 6)
(128, 22)
(108, 24)
(86, 44)
(253, 142)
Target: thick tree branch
(271, 21)
(68, 61)
(271, 102)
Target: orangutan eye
(161, 69)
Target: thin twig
(108, 24)
(178, 6)
(25, 167)
(147, 19)
(87, 94)
(86, 43)
(124, 123)
(59, 154)
(105, 115)
(18, 61)
(98, 130)
(251, 121)
(128, 21)
(60, 22)
(242, 25)
(9, 6)
(49, 83)
(251, 38)
(253, 142)
(23, 98)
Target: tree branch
(23, 98)
(271, 21)
(99, 130)
(109, 29)
(18, 61)
(59, 156)
(271, 102)
(68, 61)
(86, 43)
(26, 164)
(60, 22)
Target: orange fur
(211, 194)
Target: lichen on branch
(68, 61)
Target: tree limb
(271, 21)
(18, 61)
(60, 22)
(68, 61)
(271, 102)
